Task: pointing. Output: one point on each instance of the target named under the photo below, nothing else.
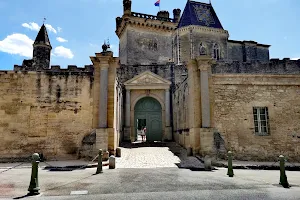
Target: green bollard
(230, 168)
(99, 167)
(283, 179)
(34, 182)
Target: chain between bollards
(283, 178)
(230, 167)
(34, 182)
(99, 167)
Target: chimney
(163, 14)
(176, 14)
(127, 7)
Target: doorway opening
(148, 114)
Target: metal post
(230, 167)
(99, 167)
(34, 182)
(283, 179)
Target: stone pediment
(147, 80)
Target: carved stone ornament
(147, 80)
(204, 15)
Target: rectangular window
(261, 120)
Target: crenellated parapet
(161, 16)
(273, 66)
(160, 22)
(89, 69)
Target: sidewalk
(66, 164)
(257, 165)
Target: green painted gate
(148, 111)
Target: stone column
(103, 97)
(194, 107)
(167, 103)
(127, 112)
(206, 132)
(205, 105)
(204, 66)
(127, 130)
(168, 129)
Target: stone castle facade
(180, 77)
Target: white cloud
(60, 39)
(59, 29)
(35, 27)
(50, 28)
(61, 51)
(31, 25)
(295, 58)
(17, 43)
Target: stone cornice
(204, 30)
(103, 60)
(145, 23)
(205, 62)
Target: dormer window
(202, 49)
(216, 52)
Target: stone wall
(274, 66)
(235, 51)
(191, 37)
(45, 112)
(180, 114)
(174, 73)
(146, 46)
(247, 51)
(235, 95)
(123, 54)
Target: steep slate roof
(200, 14)
(42, 37)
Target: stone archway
(149, 111)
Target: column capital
(192, 64)
(104, 60)
(205, 62)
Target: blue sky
(85, 24)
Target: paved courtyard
(149, 171)
(151, 183)
(147, 157)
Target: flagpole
(159, 6)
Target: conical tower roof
(42, 37)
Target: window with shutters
(261, 121)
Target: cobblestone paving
(147, 157)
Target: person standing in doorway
(144, 130)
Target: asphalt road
(151, 183)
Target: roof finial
(104, 47)
(108, 44)
(44, 20)
(209, 1)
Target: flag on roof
(157, 3)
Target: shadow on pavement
(186, 162)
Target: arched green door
(148, 110)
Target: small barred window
(261, 121)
